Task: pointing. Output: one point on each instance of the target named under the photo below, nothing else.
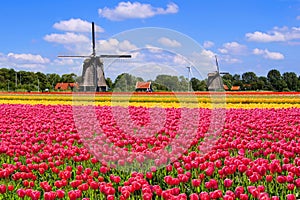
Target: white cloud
(29, 62)
(76, 25)
(268, 55)
(66, 38)
(277, 34)
(169, 42)
(64, 61)
(208, 44)
(115, 46)
(27, 59)
(179, 59)
(223, 51)
(231, 60)
(128, 10)
(265, 37)
(233, 48)
(208, 53)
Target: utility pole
(7, 85)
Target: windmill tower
(214, 81)
(93, 79)
(189, 77)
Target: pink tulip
(228, 183)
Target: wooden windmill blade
(115, 56)
(217, 64)
(218, 69)
(73, 56)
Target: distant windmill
(93, 78)
(189, 76)
(214, 81)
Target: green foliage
(291, 80)
(125, 82)
(198, 85)
(29, 81)
(11, 80)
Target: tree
(109, 83)
(170, 82)
(53, 79)
(227, 77)
(291, 80)
(236, 77)
(125, 82)
(227, 80)
(198, 85)
(41, 81)
(184, 84)
(263, 83)
(275, 79)
(68, 78)
(250, 79)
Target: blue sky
(247, 35)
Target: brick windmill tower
(93, 78)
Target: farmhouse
(225, 87)
(143, 87)
(66, 86)
(235, 88)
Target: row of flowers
(193, 101)
(112, 152)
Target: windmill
(189, 76)
(214, 81)
(93, 79)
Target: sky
(247, 35)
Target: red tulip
(228, 183)
(290, 186)
(10, 187)
(209, 171)
(269, 178)
(196, 182)
(110, 197)
(194, 196)
(281, 179)
(204, 196)
(60, 194)
(2, 189)
(21, 193)
(49, 195)
(228, 197)
(243, 197)
(149, 175)
(274, 198)
(290, 197)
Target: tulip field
(150, 146)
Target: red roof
(65, 86)
(235, 88)
(142, 85)
(225, 87)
